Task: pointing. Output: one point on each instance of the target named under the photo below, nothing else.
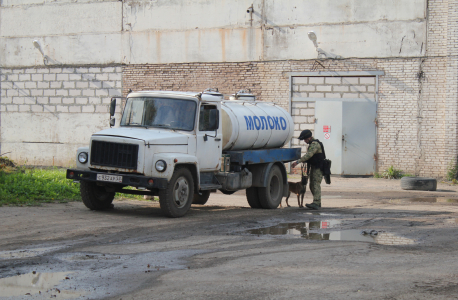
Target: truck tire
(96, 197)
(176, 199)
(271, 195)
(201, 199)
(252, 197)
(418, 183)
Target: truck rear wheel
(95, 197)
(201, 199)
(252, 197)
(176, 199)
(271, 195)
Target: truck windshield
(159, 112)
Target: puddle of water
(322, 230)
(36, 283)
(429, 200)
(315, 213)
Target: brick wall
(334, 87)
(451, 109)
(66, 90)
(411, 107)
(48, 112)
(305, 88)
(438, 11)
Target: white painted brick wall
(45, 105)
(63, 87)
(334, 87)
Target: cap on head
(305, 134)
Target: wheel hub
(274, 187)
(181, 192)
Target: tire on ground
(418, 183)
(95, 197)
(271, 195)
(176, 199)
(252, 197)
(201, 199)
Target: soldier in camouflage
(314, 158)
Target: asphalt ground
(370, 240)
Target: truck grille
(114, 155)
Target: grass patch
(452, 171)
(34, 186)
(392, 173)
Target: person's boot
(313, 205)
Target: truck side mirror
(112, 111)
(112, 107)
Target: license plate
(110, 178)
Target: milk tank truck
(182, 146)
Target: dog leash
(304, 168)
(304, 178)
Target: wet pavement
(368, 236)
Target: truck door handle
(217, 139)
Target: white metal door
(347, 130)
(328, 129)
(358, 138)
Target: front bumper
(127, 179)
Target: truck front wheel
(176, 199)
(95, 197)
(271, 195)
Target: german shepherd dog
(298, 189)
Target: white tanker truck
(181, 146)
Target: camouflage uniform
(315, 174)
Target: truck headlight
(161, 166)
(82, 157)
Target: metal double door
(347, 130)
